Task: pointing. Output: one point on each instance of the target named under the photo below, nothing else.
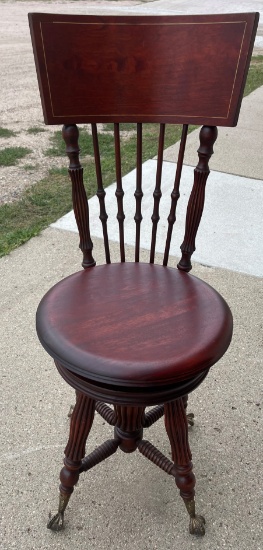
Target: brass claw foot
(56, 523)
(197, 523)
(190, 419)
(197, 526)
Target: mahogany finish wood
(134, 335)
(138, 193)
(100, 192)
(79, 197)
(157, 192)
(138, 334)
(177, 431)
(119, 190)
(175, 195)
(128, 396)
(109, 54)
(81, 422)
(208, 137)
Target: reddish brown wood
(79, 197)
(113, 341)
(138, 192)
(80, 426)
(81, 422)
(128, 428)
(177, 430)
(100, 192)
(154, 455)
(119, 191)
(157, 192)
(143, 68)
(107, 449)
(175, 193)
(129, 419)
(120, 395)
(208, 135)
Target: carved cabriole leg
(189, 416)
(208, 135)
(177, 430)
(81, 422)
(70, 135)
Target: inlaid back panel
(177, 70)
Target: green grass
(5, 133)
(58, 149)
(255, 75)
(127, 126)
(11, 155)
(35, 130)
(106, 143)
(38, 207)
(30, 167)
(49, 199)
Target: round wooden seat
(136, 325)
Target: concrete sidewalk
(127, 502)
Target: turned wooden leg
(80, 425)
(177, 430)
(189, 416)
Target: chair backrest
(177, 70)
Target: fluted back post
(70, 135)
(208, 135)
